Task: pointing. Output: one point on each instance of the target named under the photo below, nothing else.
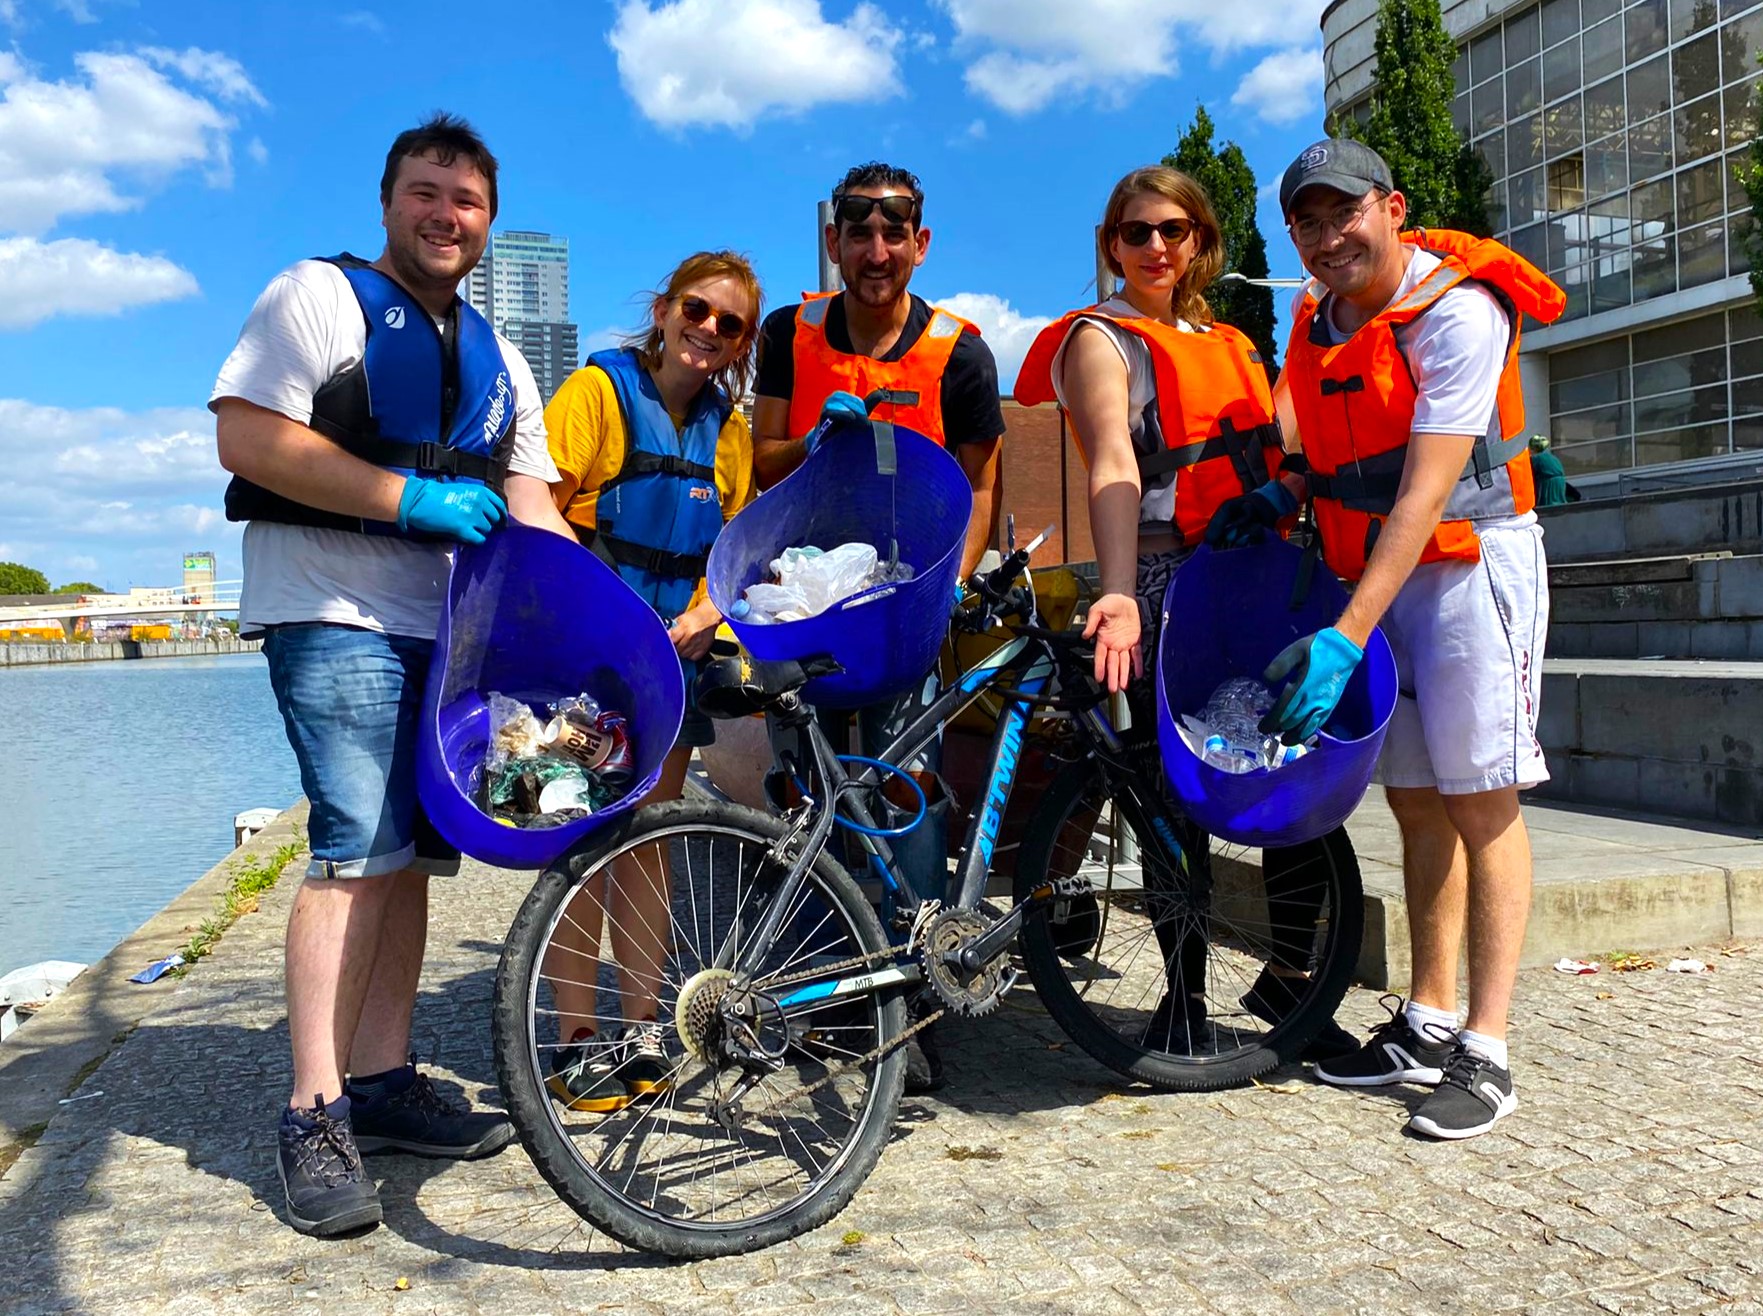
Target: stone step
(1680, 738)
(1700, 605)
(1603, 881)
(1696, 520)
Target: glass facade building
(522, 287)
(1611, 131)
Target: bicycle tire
(565, 1155)
(1104, 1027)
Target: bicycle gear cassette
(964, 991)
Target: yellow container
(1057, 595)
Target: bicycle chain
(840, 1067)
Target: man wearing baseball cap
(1401, 385)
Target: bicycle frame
(1028, 663)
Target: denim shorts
(351, 700)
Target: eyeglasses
(894, 209)
(1137, 232)
(728, 324)
(1342, 219)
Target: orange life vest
(1355, 407)
(914, 381)
(1214, 423)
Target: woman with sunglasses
(654, 457)
(1174, 415)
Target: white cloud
(258, 152)
(110, 495)
(75, 276)
(1284, 87)
(365, 20)
(61, 142)
(726, 63)
(1027, 53)
(1007, 331)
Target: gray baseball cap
(1337, 162)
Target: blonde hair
(1188, 300)
(701, 267)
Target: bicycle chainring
(961, 991)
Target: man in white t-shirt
(359, 460)
(1400, 382)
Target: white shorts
(1468, 639)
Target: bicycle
(784, 1000)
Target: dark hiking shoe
(924, 1058)
(1179, 1027)
(1475, 1095)
(420, 1121)
(327, 1190)
(1273, 998)
(1395, 1053)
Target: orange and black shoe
(585, 1075)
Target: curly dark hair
(877, 174)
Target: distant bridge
(222, 596)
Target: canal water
(118, 789)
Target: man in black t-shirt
(877, 335)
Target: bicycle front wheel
(610, 1010)
(1187, 974)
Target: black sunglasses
(728, 324)
(895, 209)
(1137, 232)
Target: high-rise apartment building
(1612, 130)
(522, 287)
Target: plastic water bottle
(1226, 757)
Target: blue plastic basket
(1227, 614)
(885, 638)
(537, 617)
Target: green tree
(1225, 174)
(79, 587)
(1444, 181)
(1750, 173)
(18, 579)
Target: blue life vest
(657, 518)
(423, 400)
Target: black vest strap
(656, 561)
(1243, 447)
(640, 461)
(426, 458)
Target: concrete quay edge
(47, 1058)
(1604, 880)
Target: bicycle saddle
(740, 687)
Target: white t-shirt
(1156, 498)
(306, 329)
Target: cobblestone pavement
(1628, 1181)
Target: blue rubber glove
(1248, 516)
(466, 512)
(838, 407)
(1319, 666)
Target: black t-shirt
(971, 411)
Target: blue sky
(161, 159)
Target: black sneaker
(647, 1071)
(1474, 1095)
(328, 1192)
(1186, 1033)
(584, 1076)
(419, 1120)
(1394, 1054)
(1273, 998)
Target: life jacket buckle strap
(1351, 384)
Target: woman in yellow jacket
(654, 457)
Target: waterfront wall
(26, 654)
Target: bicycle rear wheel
(1188, 971)
(659, 1146)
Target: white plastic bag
(515, 732)
(810, 581)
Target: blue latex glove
(838, 407)
(1246, 517)
(1318, 666)
(466, 512)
